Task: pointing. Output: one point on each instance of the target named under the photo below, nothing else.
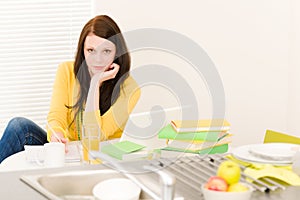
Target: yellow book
(200, 125)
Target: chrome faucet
(168, 180)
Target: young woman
(94, 89)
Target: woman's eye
(107, 51)
(90, 50)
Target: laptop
(143, 128)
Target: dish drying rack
(192, 171)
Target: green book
(213, 150)
(124, 149)
(169, 133)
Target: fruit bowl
(219, 195)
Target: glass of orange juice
(90, 142)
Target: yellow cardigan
(65, 91)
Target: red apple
(216, 183)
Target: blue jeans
(19, 132)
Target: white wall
(252, 43)
(294, 71)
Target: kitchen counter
(13, 188)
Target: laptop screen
(143, 128)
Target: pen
(54, 133)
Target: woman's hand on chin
(110, 73)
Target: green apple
(237, 187)
(229, 171)
(216, 183)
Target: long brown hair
(104, 27)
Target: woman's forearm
(92, 101)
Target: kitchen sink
(155, 182)
(72, 185)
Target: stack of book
(208, 136)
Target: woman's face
(99, 53)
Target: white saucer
(269, 153)
(274, 151)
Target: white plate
(246, 153)
(274, 151)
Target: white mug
(49, 155)
(34, 153)
(54, 154)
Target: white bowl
(116, 189)
(217, 195)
